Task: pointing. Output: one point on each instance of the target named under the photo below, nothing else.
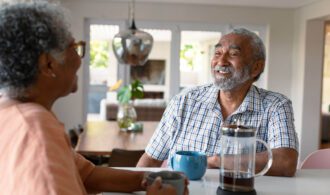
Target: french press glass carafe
(237, 160)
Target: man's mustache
(228, 69)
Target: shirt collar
(212, 97)
(252, 101)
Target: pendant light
(132, 46)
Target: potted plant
(126, 115)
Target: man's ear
(257, 68)
(46, 65)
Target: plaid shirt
(193, 118)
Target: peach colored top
(35, 153)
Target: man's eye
(234, 53)
(217, 53)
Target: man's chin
(223, 86)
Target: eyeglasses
(80, 48)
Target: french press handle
(270, 159)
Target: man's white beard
(237, 78)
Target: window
(103, 64)
(196, 50)
(180, 58)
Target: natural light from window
(197, 48)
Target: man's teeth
(222, 71)
(217, 68)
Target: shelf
(154, 88)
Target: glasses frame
(80, 48)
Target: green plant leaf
(124, 95)
(137, 89)
(133, 91)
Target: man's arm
(148, 161)
(284, 162)
(160, 143)
(282, 137)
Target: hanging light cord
(132, 15)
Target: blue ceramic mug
(192, 164)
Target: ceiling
(257, 3)
(166, 36)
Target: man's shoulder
(196, 92)
(271, 97)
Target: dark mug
(192, 164)
(169, 177)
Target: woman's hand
(160, 189)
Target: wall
(279, 40)
(161, 51)
(307, 72)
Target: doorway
(325, 111)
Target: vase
(126, 116)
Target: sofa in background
(146, 109)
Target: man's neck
(232, 99)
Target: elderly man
(193, 118)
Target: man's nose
(223, 60)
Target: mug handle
(270, 159)
(171, 162)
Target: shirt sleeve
(35, 154)
(48, 165)
(160, 143)
(281, 130)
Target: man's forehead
(232, 40)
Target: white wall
(307, 72)
(280, 37)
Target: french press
(237, 160)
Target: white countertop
(306, 182)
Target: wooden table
(101, 137)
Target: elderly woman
(39, 60)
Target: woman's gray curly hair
(26, 31)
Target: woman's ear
(257, 68)
(46, 65)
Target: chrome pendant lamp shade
(132, 46)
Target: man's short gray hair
(259, 51)
(26, 31)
